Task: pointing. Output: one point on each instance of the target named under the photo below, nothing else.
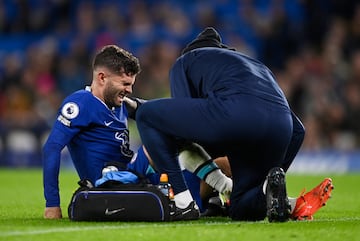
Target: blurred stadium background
(312, 46)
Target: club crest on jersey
(70, 110)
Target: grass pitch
(22, 205)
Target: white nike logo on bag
(108, 123)
(111, 212)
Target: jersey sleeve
(71, 117)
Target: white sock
(220, 182)
(193, 157)
(183, 199)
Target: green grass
(22, 205)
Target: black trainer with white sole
(278, 205)
(191, 212)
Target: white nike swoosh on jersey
(111, 212)
(108, 123)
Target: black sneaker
(191, 212)
(216, 208)
(277, 202)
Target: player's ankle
(219, 181)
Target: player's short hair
(117, 60)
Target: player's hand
(52, 213)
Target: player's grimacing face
(116, 88)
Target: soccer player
(226, 104)
(92, 123)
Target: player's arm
(51, 165)
(65, 128)
(132, 103)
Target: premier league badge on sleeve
(70, 110)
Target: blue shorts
(140, 164)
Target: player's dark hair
(117, 60)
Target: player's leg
(142, 164)
(193, 182)
(213, 202)
(195, 159)
(202, 191)
(223, 164)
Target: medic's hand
(132, 104)
(52, 213)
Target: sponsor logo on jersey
(108, 123)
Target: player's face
(116, 88)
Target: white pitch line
(54, 230)
(146, 225)
(120, 226)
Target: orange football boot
(309, 203)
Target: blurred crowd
(46, 47)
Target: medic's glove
(132, 103)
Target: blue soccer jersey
(93, 134)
